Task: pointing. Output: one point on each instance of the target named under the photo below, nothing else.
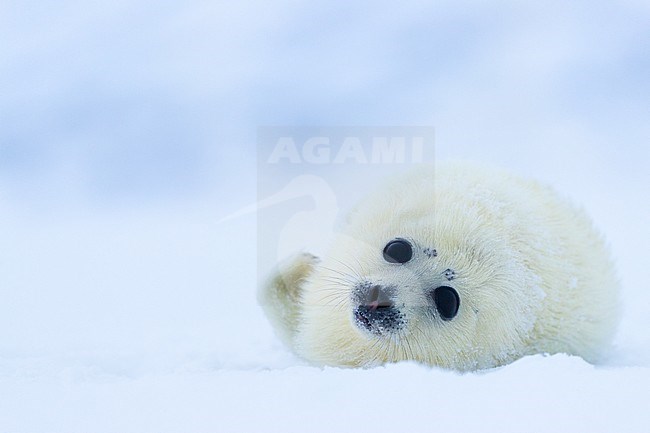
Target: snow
(539, 394)
(127, 132)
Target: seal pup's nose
(378, 298)
(376, 311)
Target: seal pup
(460, 266)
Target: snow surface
(127, 131)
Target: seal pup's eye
(398, 251)
(447, 302)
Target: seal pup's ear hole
(281, 296)
(398, 251)
(447, 302)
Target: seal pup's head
(421, 271)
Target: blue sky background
(128, 128)
(144, 101)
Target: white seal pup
(462, 266)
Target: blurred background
(128, 130)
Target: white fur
(532, 273)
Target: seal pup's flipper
(281, 295)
